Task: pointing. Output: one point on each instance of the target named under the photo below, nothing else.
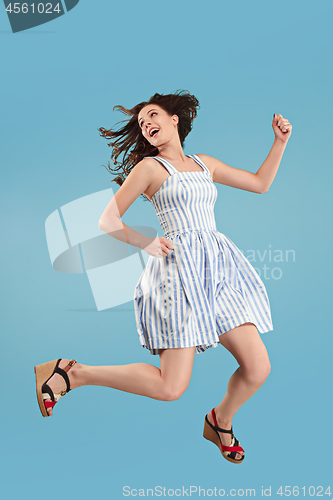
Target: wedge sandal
(211, 433)
(43, 374)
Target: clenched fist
(282, 128)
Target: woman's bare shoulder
(145, 166)
(205, 157)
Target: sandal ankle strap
(69, 365)
(216, 427)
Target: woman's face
(157, 126)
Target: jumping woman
(197, 289)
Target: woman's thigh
(176, 366)
(245, 344)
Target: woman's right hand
(159, 247)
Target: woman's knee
(257, 373)
(172, 393)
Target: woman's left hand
(282, 128)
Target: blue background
(244, 61)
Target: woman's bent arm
(135, 184)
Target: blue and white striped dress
(205, 286)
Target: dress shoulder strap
(199, 160)
(165, 163)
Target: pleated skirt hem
(203, 347)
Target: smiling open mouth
(154, 132)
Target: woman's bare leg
(166, 383)
(246, 346)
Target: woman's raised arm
(260, 181)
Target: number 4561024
(312, 491)
(41, 8)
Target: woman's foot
(53, 380)
(57, 383)
(224, 437)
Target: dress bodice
(185, 201)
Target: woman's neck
(172, 153)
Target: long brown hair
(180, 103)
